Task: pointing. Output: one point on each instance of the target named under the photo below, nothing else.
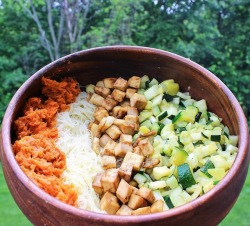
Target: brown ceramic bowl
(89, 66)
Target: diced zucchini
(156, 110)
(144, 129)
(168, 202)
(152, 92)
(178, 156)
(201, 105)
(162, 171)
(208, 165)
(157, 100)
(90, 88)
(155, 127)
(217, 173)
(172, 182)
(144, 79)
(162, 115)
(153, 82)
(185, 176)
(139, 178)
(155, 185)
(145, 114)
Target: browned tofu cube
(94, 130)
(133, 159)
(134, 190)
(109, 203)
(114, 132)
(130, 92)
(136, 202)
(146, 147)
(134, 82)
(100, 83)
(109, 103)
(121, 84)
(119, 122)
(141, 211)
(132, 119)
(132, 111)
(124, 191)
(125, 103)
(147, 194)
(125, 171)
(133, 184)
(119, 112)
(96, 145)
(124, 210)
(149, 163)
(109, 148)
(139, 101)
(97, 185)
(122, 149)
(100, 113)
(110, 180)
(126, 139)
(118, 95)
(96, 99)
(128, 128)
(157, 206)
(109, 82)
(102, 91)
(108, 162)
(137, 150)
(105, 138)
(105, 123)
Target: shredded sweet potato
(35, 148)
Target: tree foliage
(213, 33)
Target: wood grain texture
(89, 66)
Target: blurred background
(215, 34)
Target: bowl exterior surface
(90, 66)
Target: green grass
(11, 215)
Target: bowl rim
(100, 217)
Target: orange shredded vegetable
(35, 148)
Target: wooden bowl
(91, 65)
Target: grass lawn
(11, 215)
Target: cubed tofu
(121, 84)
(109, 82)
(119, 122)
(105, 138)
(124, 210)
(136, 202)
(132, 119)
(130, 92)
(119, 112)
(133, 159)
(134, 82)
(132, 111)
(141, 211)
(109, 203)
(125, 103)
(109, 148)
(147, 194)
(139, 101)
(110, 180)
(125, 171)
(122, 149)
(149, 163)
(108, 162)
(114, 132)
(118, 95)
(109, 103)
(157, 206)
(128, 128)
(94, 130)
(96, 99)
(124, 191)
(126, 139)
(137, 150)
(97, 185)
(105, 123)
(146, 147)
(96, 145)
(100, 113)
(102, 91)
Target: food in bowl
(153, 147)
